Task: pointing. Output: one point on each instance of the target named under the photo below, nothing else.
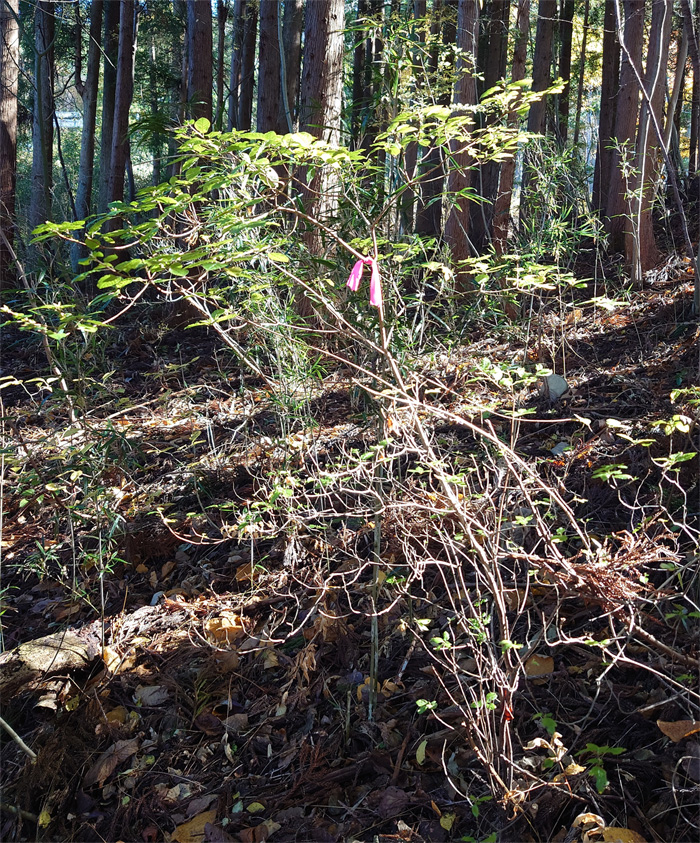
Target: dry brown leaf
(193, 830)
(108, 762)
(166, 569)
(613, 834)
(538, 665)
(245, 572)
(258, 833)
(678, 729)
(226, 629)
(111, 658)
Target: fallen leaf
(44, 819)
(447, 821)
(166, 569)
(678, 729)
(151, 694)
(613, 834)
(538, 666)
(200, 804)
(214, 834)
(225, 629)
(258, 833)
(108, 762)
(193, 830)
(117, 715)
(111, 658)
(393, 802)
(210, 724)
(420, 752)
(255, 808)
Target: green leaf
(202, 125)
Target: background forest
(349, 402)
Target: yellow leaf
(44, 819)
(193, 830)
(678, 729)
(420, 752)
(141, 569)
(539, 666)
(117, 715)
(255, 808)
(447, 821)
(72, 704)
(111, 658)
(612, 834)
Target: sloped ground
(233, 698)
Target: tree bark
(122, 102)
(619, 206)
(459, 176)
(581, 73)
(245, 28)
(640, 243)
(492, 56)
(9, 78)
(221, 18)
(501, 211)
(292, 28)
(542, 63)
(109, 93)
(566, 17)
(320, 110)
(608, 109)
(42, 127)
(89, 92)
(431, 171)
(199, 59)
(269, 111)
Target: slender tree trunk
(109, 92)
(542, 63)
(493, 55)
(359, 92)
(9, 78)
(541, 80)
(581, 73)
(640, 243)
(608, 109)
(618, 204)
(678, 84)
(122, 102)
(221, 18)
(431, 171)
(459, 177)
(239, 11)
(42, 128)
(178, 80)
(156, 136)
(566, 17)
(199, 58)
(293, 24)
(501, 211)
(270, 110)
(408, 198)
(88, 93)
(320, 110)
(243, 65)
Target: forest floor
(231, 700)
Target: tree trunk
(320, 108)
(542, 63)
(89, 92)
(408, 197)
(501, 211)
(608, 109)
(359, 88)
(619, 207)
(245, 28)
(9, 78)
(640, 243)
(431, 171)
(270, 110)
(493, 55)
(221, 17)
(199, 59)
(459, 177)
(566, 17)
(122, 102)
(109, 92)
(581, 73)
(292, 29)
(42, 127)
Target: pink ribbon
(375, 284)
